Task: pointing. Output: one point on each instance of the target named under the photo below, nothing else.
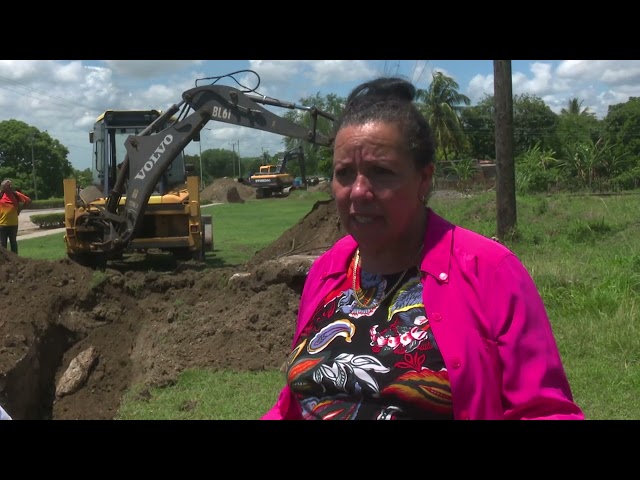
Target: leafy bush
(48, 220)
(46, 203)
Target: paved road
(28, 229)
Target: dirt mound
(312, 235)
(146, 326)
(324, 187)
(219, 191)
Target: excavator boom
(150, 153)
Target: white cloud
(612, 72)
(65, 97)
(479, 87)
(597, 83)
(322, 72)
(149, 68)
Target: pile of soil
(221, 191)
(74, 340)
(229, 190)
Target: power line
(414, 69)
(56, 99)
(422, 71)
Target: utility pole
(33, 168)
(201, 179)
(233, 162)
(505, 165)
(239, 161)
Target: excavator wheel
(201, 254)
(207, 222)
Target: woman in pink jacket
(410, 316)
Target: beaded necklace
(356, 264)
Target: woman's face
(378, 190)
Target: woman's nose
(361, 186)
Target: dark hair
(390, 99)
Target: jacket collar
(436, 258)
(438, 247)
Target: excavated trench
(55, 311)
(30, 385)
(143, 327)
(39, 353)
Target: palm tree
(574, 107)
(441, 103)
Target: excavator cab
(108, 137)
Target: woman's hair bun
(386, 87)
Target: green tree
(478, 124)
(441, 103)
(622, 128)
(574, 108)
(84, 178)
(574, 129)
(534, 124)
(25, 149)
(318, 159)
(219, 163)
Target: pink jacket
(487, 317)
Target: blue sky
(64, 97)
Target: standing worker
(10, 208)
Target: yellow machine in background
(275, 180)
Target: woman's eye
(381, 171)
(341, 173)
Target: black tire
(203, 248)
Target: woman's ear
(426, 180)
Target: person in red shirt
(10, 208)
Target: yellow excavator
(143, 195)
(275, 180)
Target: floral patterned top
(371, 362)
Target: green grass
(204, 395)
(583, 253)
(48, 247)
(241, 229)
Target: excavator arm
(150, 154)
